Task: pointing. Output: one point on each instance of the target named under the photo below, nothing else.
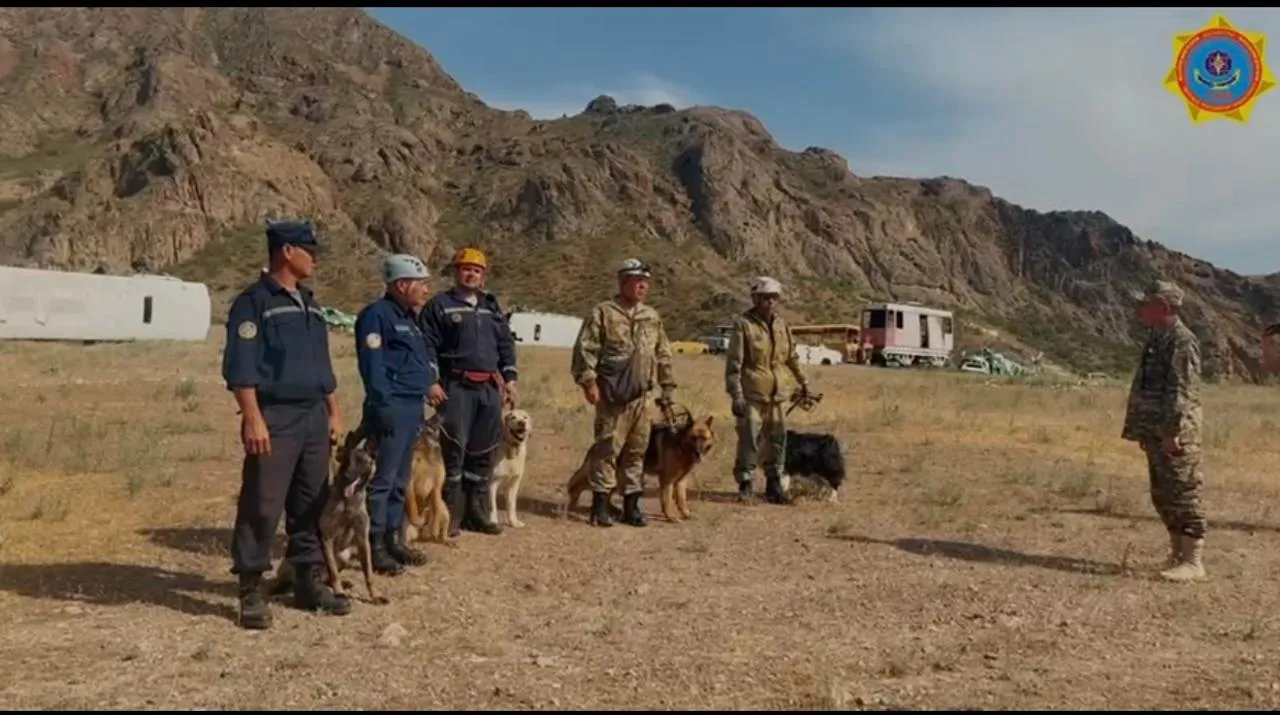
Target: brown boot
(1190, 567)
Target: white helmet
(764, 285)
(402, 265)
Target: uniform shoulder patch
(373, 341)
(247, 330)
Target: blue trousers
(293, 479)
(471, 428)
(395, 465)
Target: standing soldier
(276, 363)
(620, 347)
(760, 347)
(1165, 418)
(469, 347)
(392, 356)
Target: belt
(478, 377)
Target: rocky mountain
(161, 139)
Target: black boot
(383, 562)
(746, 491)
(600, 509)
(254, 612)
(310, 594)
(454, 499)
(403, 553)
(477, 518)
(773, 492)
(631, 514)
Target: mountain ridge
(160, 139)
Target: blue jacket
(461, 337)
(278, 345)
(391, 354)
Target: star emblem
(1219, 72)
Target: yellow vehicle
(688, 347)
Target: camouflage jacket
(761, 363)
(607, 334)
(1164, 399)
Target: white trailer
(549, 329)
(39, 304)
(818, 355)
(908, 334)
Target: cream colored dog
(509, 472)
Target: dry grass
(994, 550)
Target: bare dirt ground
(995, 548)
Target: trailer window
(877, 319)
(537, 332)
(946, 326)
(898, 317)
(146, 310)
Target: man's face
(301, 260)
(634, 288)
(469, 276)
(765, 302)
(413, 291)
(1153, 312)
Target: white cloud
(571, 99)
(1065, 109)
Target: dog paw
(516, 523)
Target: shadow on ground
(1229, 525)
(979, 553)
(105, 584)
(204, 541)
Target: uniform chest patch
(373, 341)
(456, 317)
(248, 330)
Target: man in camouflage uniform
(761, 371)
(1165, 418)
(620, 349)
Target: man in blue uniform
(393, 365)
(469, 342)
(276, 363)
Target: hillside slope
(161, 139)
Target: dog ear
(709, 420)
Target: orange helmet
(472, 256)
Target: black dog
(813, 454)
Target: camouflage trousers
(1175, 490)
(621, 438)
(762, 436)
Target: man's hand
(667, 399)
(510, 393)
(254, 435)
(436, 395)
(739, 406)
(337, 429)
(1171, 446)
(592, 393)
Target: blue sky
(1050, 109)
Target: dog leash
(805, 401)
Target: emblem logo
(456, 317)
(1219, 72)
(373, 340)
(248, 330)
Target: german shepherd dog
(426, 515)
(676, 447)
(344, 523)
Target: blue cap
(297, 233)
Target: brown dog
(344, 523)
(426, 516)
(673, 453)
